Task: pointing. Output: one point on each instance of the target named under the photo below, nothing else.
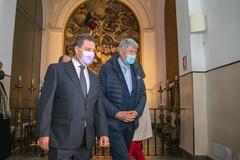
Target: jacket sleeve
(142, 101)
(100, 120)
(45, 106)
(110, 109)
(142, 94)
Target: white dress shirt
(77, 68)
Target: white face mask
(87, 58)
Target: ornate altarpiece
(108, 21)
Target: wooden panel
(39, 14)
(22, 54)
(37, 61)
(171, 40)
(26, 51)
(28, 6)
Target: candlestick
(32, 90)
(19, 80)
(32, 83)
(19, 88)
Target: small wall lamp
(197, 22)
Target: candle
(19, 80)
(33, 81)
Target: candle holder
(19, 88)
(169, 117)
(32, 89)
(19, 124)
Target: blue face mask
(130, 59)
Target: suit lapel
(134, 80)
(118, 70)
(71, 72)
(116, 67)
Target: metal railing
(23, 125)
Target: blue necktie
(83, 81)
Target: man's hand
(133, 113)
(43, 142)
(124, 116)
(104, 141)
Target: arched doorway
(107, 21)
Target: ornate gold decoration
(108, 21)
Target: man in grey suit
(70, 109)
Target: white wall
(7, 25)
(215, 102)
(222, 47)
(7, 21)
(197, 44)
(1, 8)
(223, 109)
(223, 35)
(219, 45)
(183, 29)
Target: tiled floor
(154, 149)
(96, 158)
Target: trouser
(81, 153)
(5, 138)
(120, 143)
(136, 150)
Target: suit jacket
(114, 90)
(63, 109)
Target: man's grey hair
(127, 42)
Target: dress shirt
(126, 69)
(78, 69)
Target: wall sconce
(197, 22)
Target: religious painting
(108, 21)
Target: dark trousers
(5, 138)
(120, 142)
(81, 153)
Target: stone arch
(54, 36)
(151, 36)
(67, 8)
(107, 21)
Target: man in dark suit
(122, 84)
(70, 106)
